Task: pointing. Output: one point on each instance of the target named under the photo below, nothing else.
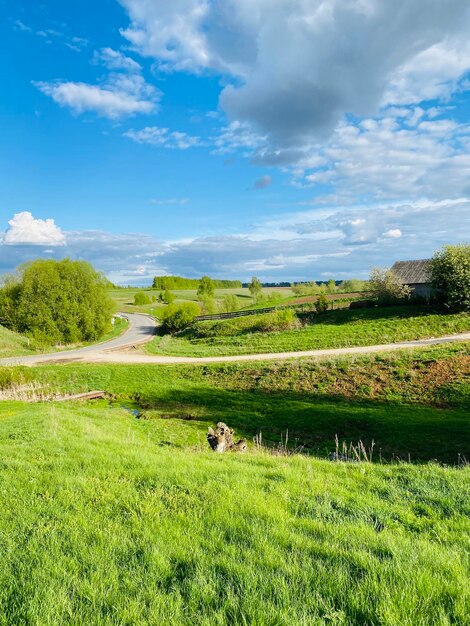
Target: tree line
(179, 282)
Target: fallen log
(89, 395)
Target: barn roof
(413, 272)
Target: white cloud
(110, 102)
(157, 136)
(337, 56)
(115, 60)
(121, 93)
(24, 229)
(393, 233)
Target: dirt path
(105, 354)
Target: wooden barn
(415, 274)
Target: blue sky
(280, 138)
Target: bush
(230, 303)
(141, 298)
(166, 296)
(208, 305)
(386, 288)
(321, 304)
(176, 317)
(450, 276)
(285, 319)
(57, 302)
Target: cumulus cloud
(24, 229)
(337, 56)
(163, 137)
(121, 93)
(393, 233)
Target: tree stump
(221, 439)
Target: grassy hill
(106, 519)
(117, 512)
(12, 344)
(334, 329)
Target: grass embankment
(334, 329)
(413, 405)
(12, 344)
(110, 520)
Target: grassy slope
(412, 404)
(13, 344)
(109, 520)
(335, 329)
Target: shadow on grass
(403, 431)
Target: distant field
(125, 297)
(335, 329)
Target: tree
(386, 288)
(168, 297)
(255, 287)
(206, 287)
(331, 286)
(57, 302)
(208, 305)
(450, 276)
(176, 317)
(141, 298)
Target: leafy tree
(386, 287)
(331, 286)
(176, 317)
(141, 298)
(353, 285)
(450, 276)
(321, 304)
(206, 287)
(255, 287)
(57, 302)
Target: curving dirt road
(142, 329)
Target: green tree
(176, 317)
(255, 287)
(450, 276)
(386, 287)
(206, 287)
(58, 302)
(141, 298)
(331, 286)
(168, 297)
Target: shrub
(230, 303)
(386, 288)
(208, 305)
(321, 304)
(141, 298)
(450, 276)
(176, 317)
(285, 319)
(57, 302)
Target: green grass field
(334, 329)
(112, 519)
